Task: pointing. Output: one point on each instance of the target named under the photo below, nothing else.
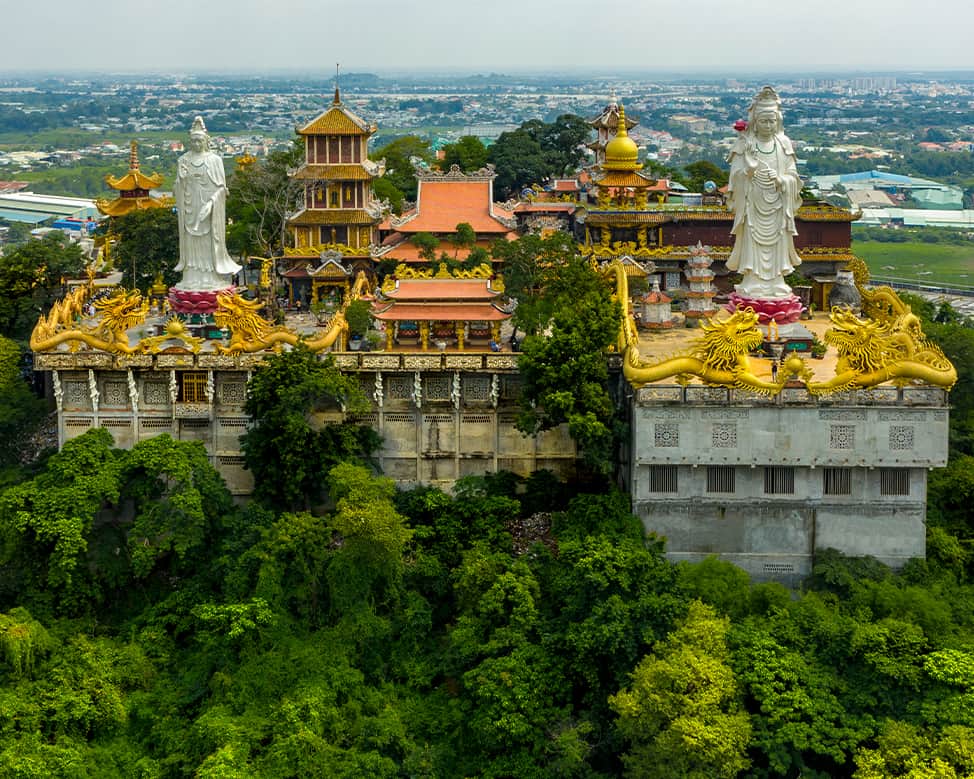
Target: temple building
(443, 201)
(765, 460)
(630, 215)
(441, 311)
(621, 221)
(339, 212)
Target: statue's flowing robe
(764, 215)
(203, 257)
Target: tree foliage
(20, 409)
(399, 181)
(537, 151)
(287, 449)
(148, 245)
(683, 714)
(32, 276)
(262, 195)
(564, 372)
(468, 153)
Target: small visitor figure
(774, 371)
(494, 346)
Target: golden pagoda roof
(337, 120)
(618, 178)
(621, 153)
(333, 173)
(333, 216)
(135, 178)
(126, 205)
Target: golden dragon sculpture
(874, 351)
(64, 323)
(250, 332)
(719, 357)
(890, 346)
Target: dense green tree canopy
(20, 409)
(537, 151)
(469, 153)
(287, 449)
(148, 245)
(32, 276)
(566, 307)
(399, 181)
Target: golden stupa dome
(621, 152)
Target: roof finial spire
(338, 99)
(621, 129)
(134, 155)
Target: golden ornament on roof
(621, 153)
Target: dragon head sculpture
(725, 341)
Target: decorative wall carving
(666, 434)
(842, 436)
(233, 393)
(901, 437)
(116, 394)
(476, 389)
(76, 394)
(154, 393)
(724, 435)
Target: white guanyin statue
(764, 193)
(201, 197)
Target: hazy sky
(599, 36)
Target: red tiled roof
(442, 205)
(445, 312)
(442, 290)
(565, 185)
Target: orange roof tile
(442, 205)
(443, 312)
(452, 290)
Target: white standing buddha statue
(764, 193)
(201, 196)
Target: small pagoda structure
(657, 313)
(134, 189)
(327, 278)
(440, 311)
(339, 212)
(700, 296)
(620, 222)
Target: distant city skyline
(609, 37)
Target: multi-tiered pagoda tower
(340, 212)
(134, 189)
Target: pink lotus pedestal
(782, 310)
(195, 301)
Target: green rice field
(936, 264)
